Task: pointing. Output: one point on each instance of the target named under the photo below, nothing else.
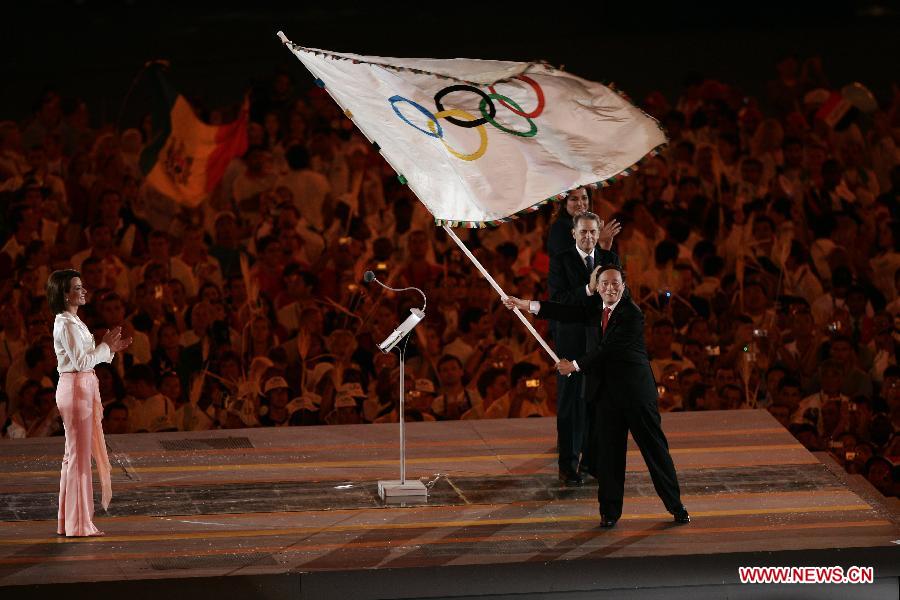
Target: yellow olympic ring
(459, 113)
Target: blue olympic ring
(395, 99)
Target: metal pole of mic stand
(402, 354)
(402, 490)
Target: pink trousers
(78, 400)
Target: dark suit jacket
(617, 369)
(567, 280)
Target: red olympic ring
(537, 90)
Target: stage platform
(294, 513)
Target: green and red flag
(186, 158)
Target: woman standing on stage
(78, 401)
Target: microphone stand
(401, 490)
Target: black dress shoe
(606, 522)
(570, 479)
(681, 515)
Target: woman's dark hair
(58, 285)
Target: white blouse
(74, 345)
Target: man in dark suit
(570, 272)
(620, 382)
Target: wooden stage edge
(294, 513)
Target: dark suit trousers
(571, 420)
(643, 421)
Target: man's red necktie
(606, 311)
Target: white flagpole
(503, 295)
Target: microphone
(369, 276)
(404, 328)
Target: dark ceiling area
(94, 50)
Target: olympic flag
(480, 141)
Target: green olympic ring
(505, 99)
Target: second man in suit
(570, 271)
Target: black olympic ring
(492, 110)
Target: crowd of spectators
(762, 245)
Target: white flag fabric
(480, 141)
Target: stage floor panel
(295, 501)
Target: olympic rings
(465, 88)
(432, 119)
(464, 119)
(530, 133)
(537, 91)
(456, 112)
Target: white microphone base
(397, 488)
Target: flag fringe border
(335, 56)
(557, 198)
